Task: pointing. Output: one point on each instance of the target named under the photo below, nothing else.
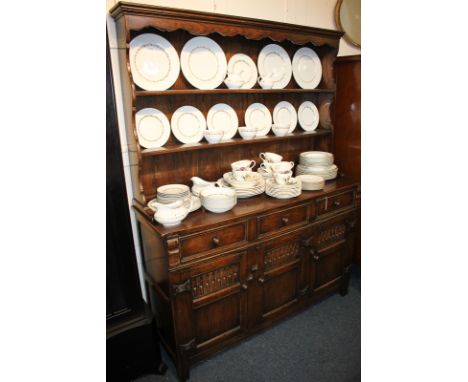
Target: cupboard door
(330, 251)
(280, 283)
(329, 265)
(217, 301)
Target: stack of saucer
(283, 191)
(317, 163)
(252, 185)
(170, 193)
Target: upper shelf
(231, 142)
(147, 93)
(139, 16)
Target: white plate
(307, 68)
(154, 62)
(187, 124)
(203, 63)
(244, 66)
(153, 127)
(223, 117)
(308, 115)
(285, 114)
(258, 116)
(274, 60)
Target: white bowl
(213, 136)
(266, 84)
(218, 199)
(280, 130)
(233, 84)
(247, 132)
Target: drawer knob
(216, 241)
(261, 280)
(285, 221)
(244, 286)
(337, 203)
(316, 258)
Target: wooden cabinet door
(331, 251)
(214, 310)
(280, 282)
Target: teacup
(243, 165)
(282, 166)
(241, 175)
(282, 178)
(270, 157)
(265, 166)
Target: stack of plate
(286, 191)
(319, 158)
(326, 172)
(311, 182)
(253, 185)
(317, 163)
(171, 193)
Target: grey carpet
(320, 344)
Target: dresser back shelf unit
(217, 278)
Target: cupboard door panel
(329, 266)
(217, 319)
(280, 291)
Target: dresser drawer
(335, 202)
(282, 220)
(213, 239)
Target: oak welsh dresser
(215, 279)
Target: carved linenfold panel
(215, 280)
(280, 255)
(334, 233)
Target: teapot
(234, 80)
(173, 213)
(267, 81)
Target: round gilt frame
(348, 39)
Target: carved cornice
(202, 23)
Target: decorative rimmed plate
(258, 116)
(285, 114)
(307, 68)
(153, 128)
(203, 63)
(154, 62)
(243, 65)
(223, 117)
(188, 124)
(274, 61)
(308, 116)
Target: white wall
(315, 13)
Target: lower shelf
(232, 142)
